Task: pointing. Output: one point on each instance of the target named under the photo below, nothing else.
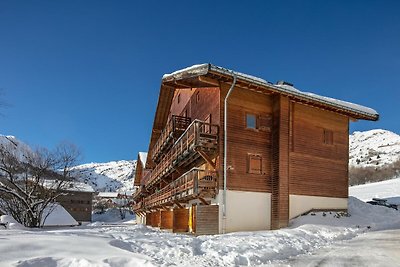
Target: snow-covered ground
(374, 148)
(107, 177)
(136, 245)
(389, 189)
(372, 249)
(113, 215)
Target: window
(197, 97)
(328, 137)
(179, 98)
(264, 123)
(254, 164)
(251, 121)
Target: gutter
(226, 149)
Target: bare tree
(31, 181)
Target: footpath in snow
(136, 245)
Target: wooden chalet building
(286, 153)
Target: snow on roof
(68, 186)
(203, 69)
(108, 194)
(58, 217)
(143, 158)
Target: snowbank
(11, 223)
(138, 245)
(113, 215)
(384, 189)
(361, 216)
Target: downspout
(226, 149)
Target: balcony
(198, 136)
(176, 125)
(196, 183)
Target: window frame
(247, 114)
(327, 137)
(254, 156)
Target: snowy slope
(11, 143)
(107, 177)
(385, 189)
(374, 148)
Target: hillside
(107, 177)
(373, 156)
(110, 176)
(374, 148)
(15, 146)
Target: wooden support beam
(178, 170)
(209, 81)
(204, 201)
(207, 158)
(182, 85)
(178, 204)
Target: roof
(80, 187)
(73, 186)
(108, 194)
(203, 69)
(209, 75)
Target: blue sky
(89, 71)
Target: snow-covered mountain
(103, 177)
(114, 176)
(15, 146)
(375, 148)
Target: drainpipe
(226, 149)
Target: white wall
(245, 211)
(140, 219)
(299, 204)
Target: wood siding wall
(280, 163)
(316, 168)
(167, 219)
(156, 219)
(148, 218)
(138, 172)
(208, 101)
(181, 220)
(242, 141)
(78, 204)
(206, 219)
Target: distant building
(77, 201)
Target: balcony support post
(178, 204)
(204, 201)
(206, 158)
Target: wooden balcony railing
(199, 135)
(195, 183)
(174, 128)
(137, 193)
(145, 180)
